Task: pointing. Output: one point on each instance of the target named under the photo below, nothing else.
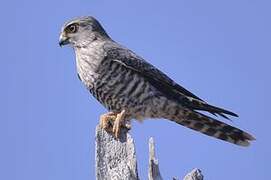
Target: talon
(118, 123)
(105, 120)
(113, 122)
(116, 128)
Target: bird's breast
(118, 87)
(88, 61)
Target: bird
(129, 87)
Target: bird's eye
(72, 28)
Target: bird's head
(81, 32)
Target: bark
(154, 172)
(116, 159)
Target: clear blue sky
(220, 50)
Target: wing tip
(229, 113)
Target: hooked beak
(63, 40)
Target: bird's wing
(162, 82)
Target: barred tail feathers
(214, 128)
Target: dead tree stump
(116, 159)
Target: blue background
(220, 50)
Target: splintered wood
(116, 158)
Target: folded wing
(162, 82)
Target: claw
(113, 122)
(118, 123)
(105, 120)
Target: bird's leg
(120, 122)
(105, 120)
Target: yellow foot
(118, 123)
(105, 120)
(113, 122)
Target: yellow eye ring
(72, 28)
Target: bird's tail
(212, 127)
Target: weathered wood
(195, 174)
(115, 159)
(154, 172)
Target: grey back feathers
(121, 80)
